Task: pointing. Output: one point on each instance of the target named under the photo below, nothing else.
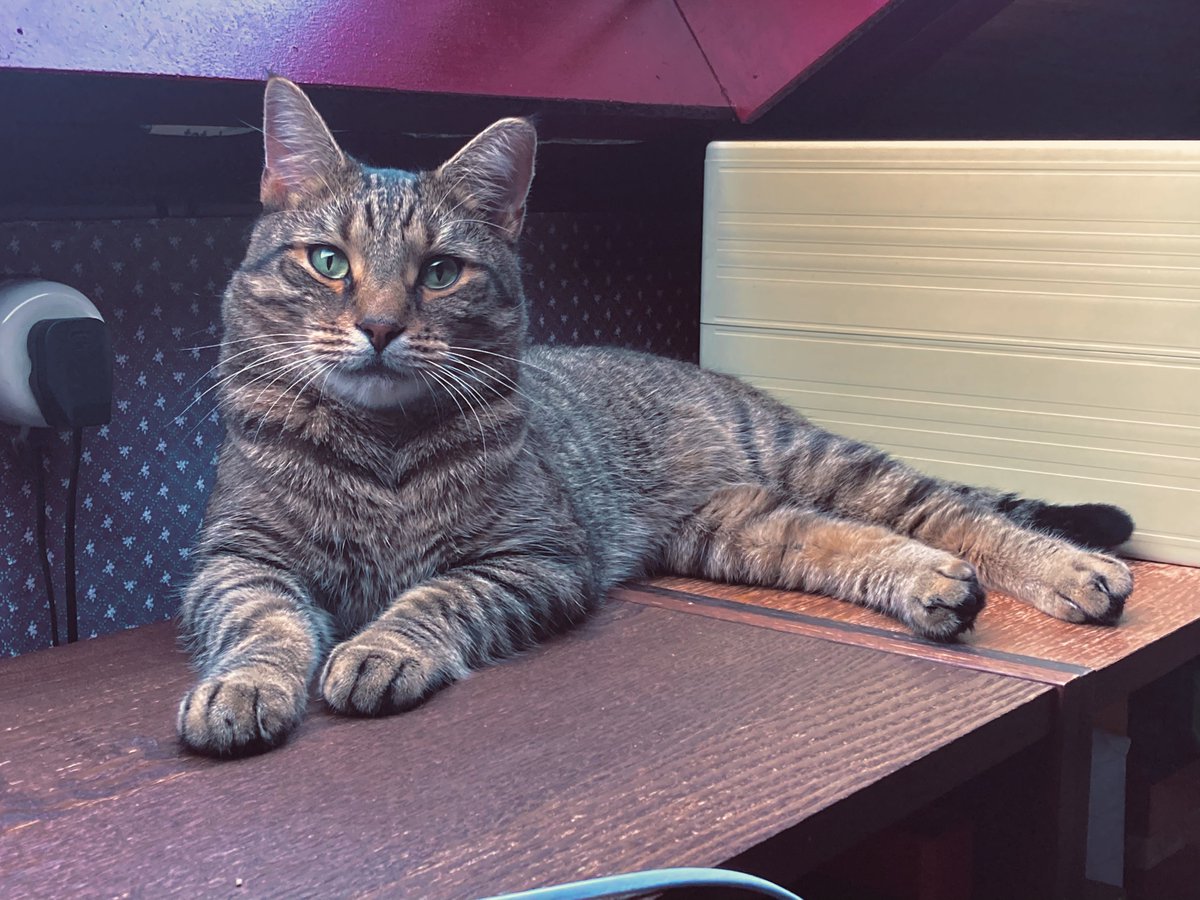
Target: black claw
(187, 706)
(1113, 614)
(399, 672)
(254, 707)
(212, 698)
(361, 668)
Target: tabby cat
(408, 492)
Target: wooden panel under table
(1159, 631)
(646, 738)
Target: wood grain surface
(646, 738)
(1159, 631)
(793, 613)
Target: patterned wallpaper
(590, 278)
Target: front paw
(942, 598)
(247, 710)
(378, 672)
(1086, 588)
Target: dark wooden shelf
(1090, 667)
(1159, 631)
(647, 738)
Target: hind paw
(1087, 588)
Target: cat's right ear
(303, 161)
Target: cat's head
(378, 286)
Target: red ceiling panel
(636, 51)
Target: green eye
(330, 262)
(440, 272)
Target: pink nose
(380, 332)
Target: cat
(407, 492)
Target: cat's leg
(749, 535)
(1054, 575)
(857, 481)
(256, 640)
(436, 632)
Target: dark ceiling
(1088, 69)
(1116, 69)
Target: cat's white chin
(374, 391)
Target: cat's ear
(496, 169)
(303, 160)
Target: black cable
(39, 463)
(69, 538)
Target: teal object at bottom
(652, 880)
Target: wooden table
(1159, 631)
(1090, 667)
(650, 737)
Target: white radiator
(1023, 315)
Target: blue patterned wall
(592, 278)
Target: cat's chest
(363, 542)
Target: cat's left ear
(496, 169)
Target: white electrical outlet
(22, 305)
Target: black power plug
(70, 377)
(71, 371)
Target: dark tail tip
(1096, 525)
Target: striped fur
(388, 520)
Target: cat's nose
(380, 332)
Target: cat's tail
(1097, 526)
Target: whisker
(432, 392)
(495, 225)
(269, 358)
(300, 393)
(464, 372)
(436, 375)
(471, 364)
(462, 412)
(454, 473)
(523, 362)
(278, 370)
(448, 191)
(257, 337)
(485, 382)
(274, 345)
(468, 366)
(473, 393)
(300, 363)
